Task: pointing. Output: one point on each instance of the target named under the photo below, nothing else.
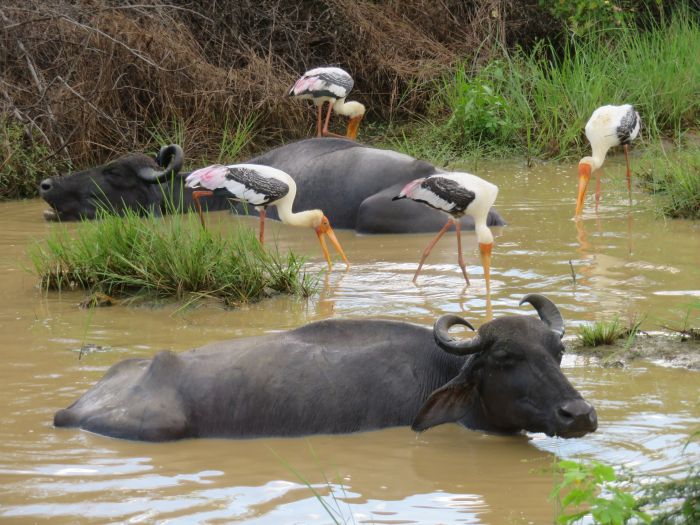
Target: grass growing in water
(604, 332)
(166, 258)
(674, 179)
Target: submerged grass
(166, 258)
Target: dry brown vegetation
(93, 78)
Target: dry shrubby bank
(91, 79)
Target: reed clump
(673, 177)
(151, 257)
(602, 332)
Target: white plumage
(609, 126)
(261, 186)
(457, 194)
(332, 85)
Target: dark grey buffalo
(135, 181)
(340, 376)
(353, 184)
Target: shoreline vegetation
(481, 85)
(150, 257)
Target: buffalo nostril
(45, 185)
(564, 415)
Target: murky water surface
(627, 262)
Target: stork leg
(261, 213)
(328, 119)
(319, 119)
(597, 190)
(327, 133)
(626, 147)
(426, 252)
(460, 257)
(195, 196)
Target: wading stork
(457, 194)
(609, 126)
(332, 85)
(261, 186)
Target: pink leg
(460, 257)
(597, 190)
(426, 252)
(261, 213)
(195, 196)
(629, 172)
(328, 119)
(319, 120)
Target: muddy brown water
(627, 262)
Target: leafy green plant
(149, 256)
(24, 160)
(582, 16)
(593, 490)
(478, 110)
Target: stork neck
(310, 218)
(596, 160)
(483, 232)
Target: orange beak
(584, 174)
(485, 250)
(325, 229)
(353, 126)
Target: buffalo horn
(548, 312)
(447, 343)
(172, 156)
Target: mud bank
(670, 349)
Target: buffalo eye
(502, 358)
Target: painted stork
(608, 126)
(261, 186)
(332, 85)
(457, 194)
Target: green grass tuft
(602, 332)
(674, 180)
(166, 258)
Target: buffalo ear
(446, 404)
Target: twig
(573, 273)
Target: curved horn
(172, 155)
(447, 343)
(548, 312)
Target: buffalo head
(129, 182)
(512, 380)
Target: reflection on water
(624, 261)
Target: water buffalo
(340, 376)
(353, 184)
(135, 181)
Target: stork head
(322, 226)
(355, 111)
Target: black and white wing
(442, 193)
(258, 185)
(628, 128)
(332, 82)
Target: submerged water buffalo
(340, 376)
(353, 184)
